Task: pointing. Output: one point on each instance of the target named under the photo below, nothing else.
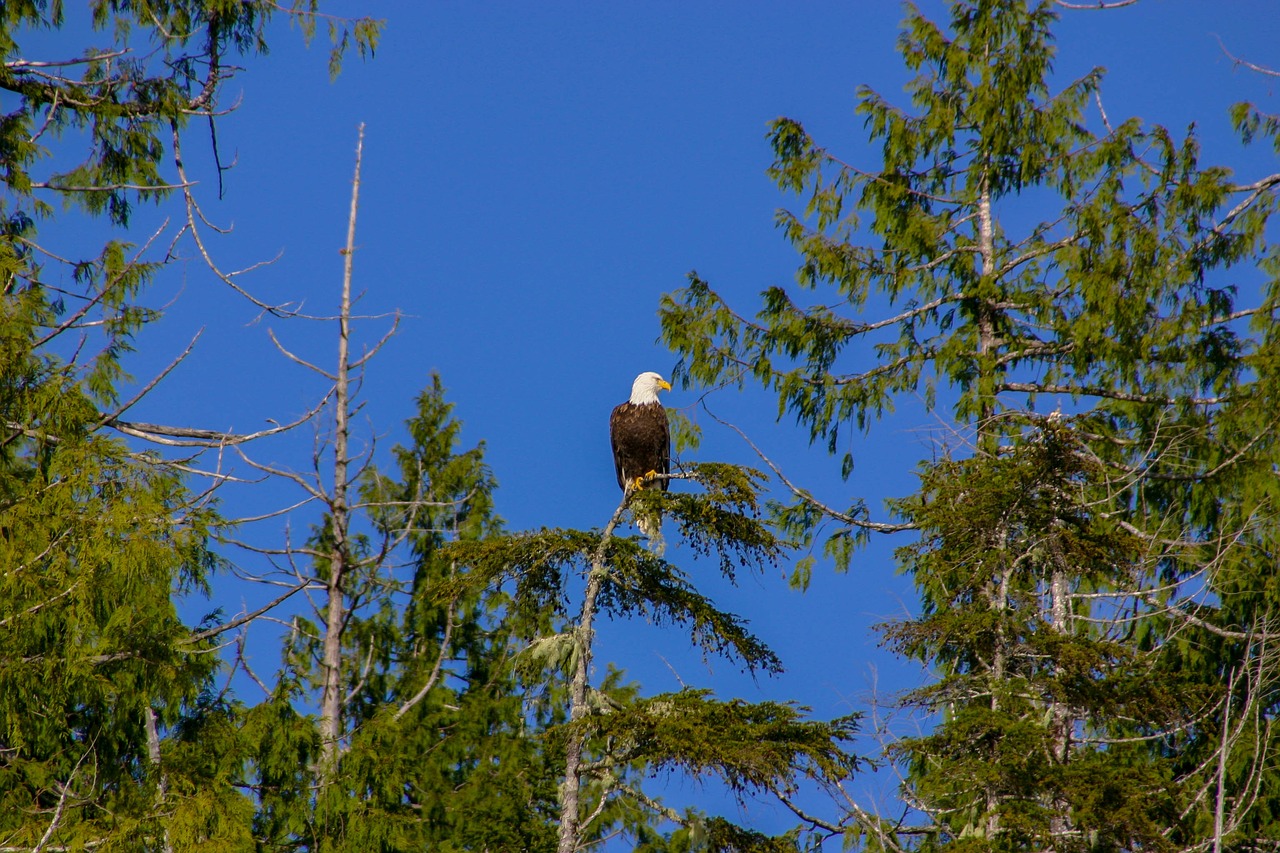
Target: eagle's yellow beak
(664, 385)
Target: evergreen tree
(478, 769)
(435, 749)
(111, 734)
(1094, 598)
(395, 721)
(614, 738)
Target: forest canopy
(315, 630)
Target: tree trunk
(340, 557)
(571, 787)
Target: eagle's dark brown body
(641, 442)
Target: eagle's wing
(613, 444)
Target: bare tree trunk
(998, 601)
(340, 555)
(987, 335)
(571, 786)
(1061, 723)
(153, 755)
(1220, 794)
(998, 594)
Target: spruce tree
(1095, 603)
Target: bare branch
(36, 608)
(20, 64)
(434, 676)
(1101, 4)
(395, 325)
(146, 389)
(200, 636)
(298, 359)
(1235, 60)
(193, 437)
(804, 494)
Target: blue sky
(536, 176)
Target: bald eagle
(641, 442)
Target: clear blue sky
(535, 177)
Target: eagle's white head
(646, 387)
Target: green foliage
(685, 432)
(724, 837)
(127, 106)
(111, 734)
(98, 137)
(94, 542)
(534, 561)
(1251, 123)
(980, 319)
(436, 747)
(762, 746)
(203, 757)
(639, 583)
(1010, 559)
(1092, 594)
(612, 739)
(718, 835)
(723, 517)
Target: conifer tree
(459, 711)
(396, 721)
(112, 735)
(434, 751)
(1093, 598)
(468, 714)
(613, 737)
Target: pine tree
(1093, 598)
